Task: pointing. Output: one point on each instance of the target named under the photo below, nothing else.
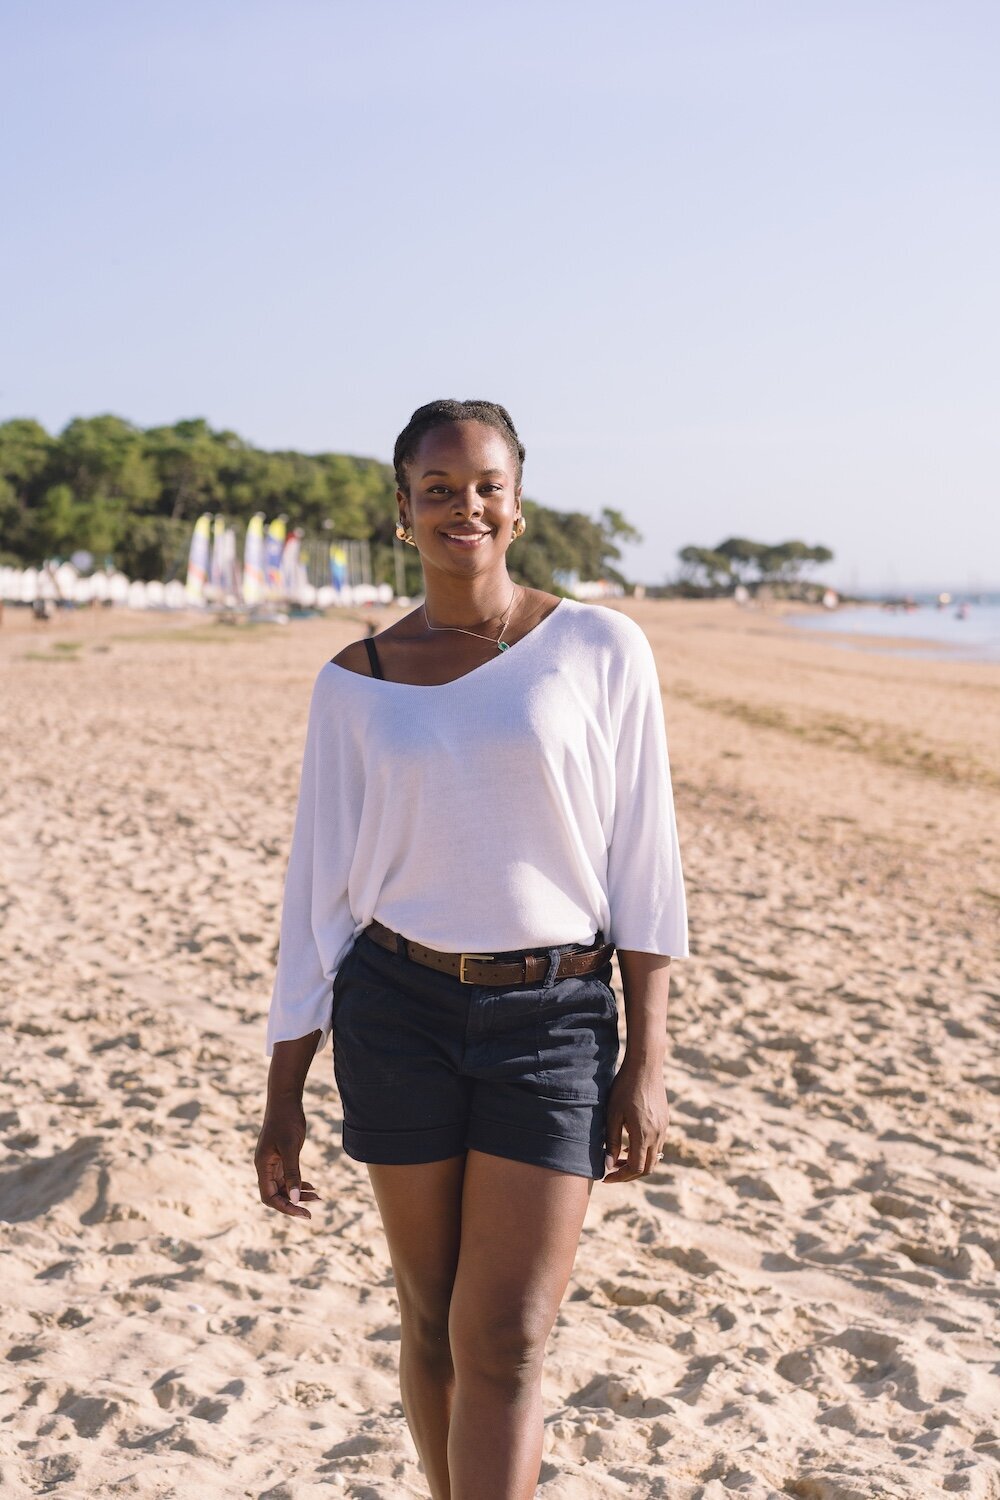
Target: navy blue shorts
(428, 1067)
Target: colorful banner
(338, 566)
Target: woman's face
(464, 497)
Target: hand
(279, 1144)
(637, 1106)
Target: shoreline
(121, 623)
(929, 647)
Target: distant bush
(131, 495)
(718, 570)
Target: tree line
(132, 494)
(738, 560)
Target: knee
(424, 1323)
(504, 1347)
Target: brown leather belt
(483, 968)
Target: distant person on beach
(485, 814)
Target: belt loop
(401, 948)
(552, 973)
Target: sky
(730, 266)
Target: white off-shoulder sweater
(524, 805)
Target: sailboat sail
(215, 571)
(197, 572)
(253, 561)
(274, 546)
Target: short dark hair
(440, 414)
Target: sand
(800, 1302)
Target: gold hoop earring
(520, 527)
(405, 534)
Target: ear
(402, 498)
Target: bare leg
(520, 1229)
(421, 1208)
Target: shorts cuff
(404, 1148)
(516, 1143)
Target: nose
(467, 501)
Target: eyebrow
(443, 473)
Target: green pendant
(503, 646)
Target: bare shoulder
(536, 604)
(355, 658)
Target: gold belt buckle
(464, 958)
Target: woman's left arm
(637, 1106)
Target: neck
(466, 601)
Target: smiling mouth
(465, 538)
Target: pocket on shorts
(610, 998)
(578, 1041)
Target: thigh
(520, 1230)
(421, 1210)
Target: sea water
(972, 636)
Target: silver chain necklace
(500, 643)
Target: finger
(275, 1189)
(282, 1204)
(638, 1147)
(293, 1181)
(629, 1167)
(269, 1178)
(622, 1169)
(613, 1151)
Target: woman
(485, 809)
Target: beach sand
(800, 1302)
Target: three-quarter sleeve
(645, 879)
(317, 927)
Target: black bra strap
(373, 657)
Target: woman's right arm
(317, 930)
(283, 1132)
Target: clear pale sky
(732, 267)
